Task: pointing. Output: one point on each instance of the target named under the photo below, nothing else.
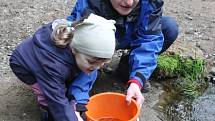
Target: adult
(140, 27)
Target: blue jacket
(140, 31)
(54, 68)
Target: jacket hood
(43, 40)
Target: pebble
(212, 72)
(24, 114)
(189, 18)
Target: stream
(199, 109)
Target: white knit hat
(95, 37)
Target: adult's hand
(134, 92)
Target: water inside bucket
(108, 119)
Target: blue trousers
(170, 31)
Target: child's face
(88, 64)
(124, 7)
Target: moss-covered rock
(188, 73)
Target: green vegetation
(189, 72)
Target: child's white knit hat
(95, 37)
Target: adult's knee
(169, 30)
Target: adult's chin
(124, 11)
(87, 71)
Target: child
(60, 56)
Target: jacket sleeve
(77, 10)
(81, 86)
(146, 46)
(52, 83)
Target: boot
(45, 114)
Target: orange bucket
(110, 106)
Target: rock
(212, 72)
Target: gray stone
(212, 72)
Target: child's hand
(78, 116)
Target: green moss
(188, 88)
(167, 64)
(191, 68)
(189, 73)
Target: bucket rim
(117, 94)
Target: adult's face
(124, 7)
